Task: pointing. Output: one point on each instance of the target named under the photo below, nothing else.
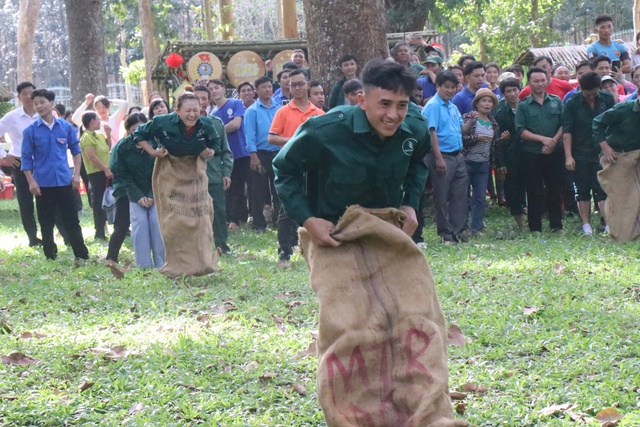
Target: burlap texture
(185, 214)
(382, 339)
(621, 182)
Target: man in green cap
(371, 155)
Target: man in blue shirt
(434, 66)
(231, 112)
(607, 47)
(44, 163)
(283, 95)
(474, 78)
(445, 160)
(256, 123)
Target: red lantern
(174, 60)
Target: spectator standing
(474, 78)
(349, 69)
(102, 105)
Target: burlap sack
(621, 182)
(382, 339)
(185, 214)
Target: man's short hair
(243, 84)
(585, 63)
(603, 18)
(542, 58)
(289, 65)
(45, 93)
(216, 82)
(510, 82)
(262, 80)
(203, 88)
(315, 83)
(347, 58)
(535, 70)
(388, 75)
(464, 58)
(22, 86)
(515, 68)
(297, 51)
(298, 71)
(418, 85)
(454, 67)
(446, 76)
(279, 76)
(352, 86)
(61, 109)
(471, 67)
(492, 65)
(134, 119)
(590, 80)
(600, 58)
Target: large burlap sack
(382, 339)
(185, 214)
(621, 182)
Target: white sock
(587, 228)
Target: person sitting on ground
(352, 89)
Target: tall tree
(86, 48)
(208, 20)
(27, 23)
(338, 27)
(407, 15)
(226, 19)
(149, 47)
(290, 19)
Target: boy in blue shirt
(44, 163)
(607, 47)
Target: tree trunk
(149, 47)
(279, 20)
(636, 16)
(208, 22)
(407, 15)
(290, 19)
(226, 19)
(86, 49)
(27, 23)
(328, 40)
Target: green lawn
(228, 350)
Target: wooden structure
(567, 55)
(164, 77)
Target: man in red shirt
(556, 87)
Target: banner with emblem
(245, 66)
(204, 66)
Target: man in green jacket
(366, 155)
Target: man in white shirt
(13, 124)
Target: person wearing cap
(539, 126)
(479, 141)
(580, 149)
(433, 66)
(609, 84)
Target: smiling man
(367, 155)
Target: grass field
(229, 350)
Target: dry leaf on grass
(136, 408)
(190, 387)
(19, 359)
(474, 388)
(222, 309)
(609, 416)
(460, 407)
(559, 268)
(133, 308)
(456, 337)
(116, 273)
(85, 385)
(268, 376)
(457, 395)
(115, 353)
(200, 294)
(530, 309)
(300, 389)
(28, 335)
(8, 397)
(204, 319)
(311, 350)
(550, 410)
(287, 294)
(252, 365)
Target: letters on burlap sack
(621, 182)
(382, 358)
(185, 214)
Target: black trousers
(120, 228)
(98, 181)
(263, 191)
(543, 176)
(287, 234)
(515, 189)
(53, 198)
(237, 210)
(25, 202)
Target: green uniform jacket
(543, 120)
(133, 168)
(508, 151)
(336, 160)
(577, 119)
(118, 190)
(337, 95)
(619, 126)
(168, 131)
(221, 163)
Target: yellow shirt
(98, 142)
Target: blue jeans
(478, 173)
(145, 236)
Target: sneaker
(421, 245)
(606, 229)
(586, 230)
(224, 249)
(463, 236)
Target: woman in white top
(101, 106)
